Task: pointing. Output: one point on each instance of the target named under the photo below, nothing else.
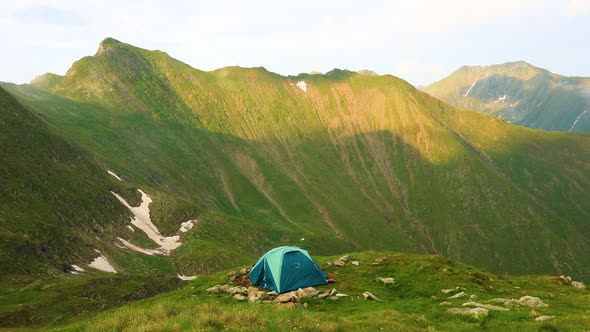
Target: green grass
(406, 305)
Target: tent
(284, 269)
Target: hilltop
(520, 93)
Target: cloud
(578, 8)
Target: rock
(369, 296)
(485, 306)
(339, 263)
(563, 280)
(473, 297)
(245, 270)
(531, 301)
(307, 292)
(344, 258)
(475, 312)
(434, 297)
(355, 263)
(253, 299)
(215, 289)
(377, 261)
(535, 314)
(285, 297)
(240, 297)
(272, 293)
(504, 301)
(333, 291)
(445, 303)
(456, 296)
(544, 317)
(341, 295)
(252, 290)
(225, 288)
(329, 263)
(323, 295)
(386, 280)
(305, 305)
(238, 290)
(578, 284)
(447, 291)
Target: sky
(420, 41)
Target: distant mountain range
(519, 93)
(335, 162)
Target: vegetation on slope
(350, 162)
(412, 303)
(521, 94)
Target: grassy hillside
(412, 303)
(338, 162)
(520, 94)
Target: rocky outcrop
(475, 312)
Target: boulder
(456, 296)
(344, 258)
(355, 263)
(578, 284)
(531, 301)
(386, 280)
(307, 292)
(286, 297)
(240, 297)
(214, 289)
(253, 299)
(563, 280)
(475, 312)
(544, 317)
(252, 290)
(445, 303)
(473, 297)
(369, 296)
(339, 263)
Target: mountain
(521, 94)
(335, 162)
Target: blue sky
(420, 40)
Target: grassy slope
(535, 98)
(54, 198)
(407, 305)
(354, 162)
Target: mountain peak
(107, 44)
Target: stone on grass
(214, 289)
(344, 258)
(240, 297)
(473, 297)
(307, 292)
(341, 295)
(333, 291)
(485, 306)
(475, 312)
(544, 317)
(285, 297)
(445, 303)
(531, 301)
(386, 280)
(355, 263)
(369, 296)
(578, 284)
(456, 296)
(339, 263)
(377, 261)
(333, 298)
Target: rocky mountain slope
(519, 93)
(333, 162)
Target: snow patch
(131, 228)
(149, 252)
(77, 268)
(302, 85)
(472, 85)
(578, 119)
(500, 99)
(114, 175)
(143, 221)
(187, 225)
(101, 263)
(181, 277)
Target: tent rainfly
(285, 269)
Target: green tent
(284, 269)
